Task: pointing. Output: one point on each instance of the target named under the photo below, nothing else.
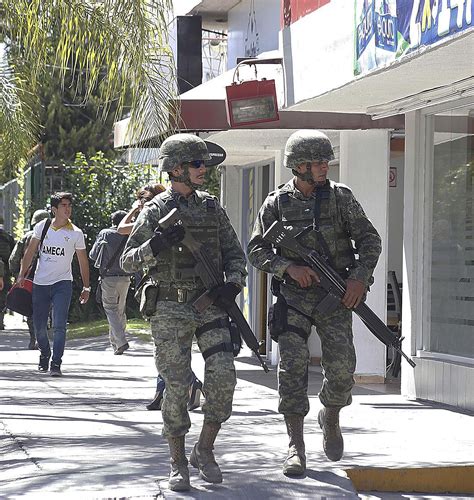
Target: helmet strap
(185, 179)
(306, 176)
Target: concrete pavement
(88, 434)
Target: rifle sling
(321, 193)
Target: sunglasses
(195, 163)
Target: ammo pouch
(147, 296)
(278, 318)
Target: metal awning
(204, 108)
(210, 115)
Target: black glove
(162, 240)
(225, 294)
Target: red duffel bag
(19, 298)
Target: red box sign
(251, 102)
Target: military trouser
(338, 360)
(173, 326)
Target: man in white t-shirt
(52, 283)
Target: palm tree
(118, 48)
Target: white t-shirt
(59, 246)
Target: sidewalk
(88, 434)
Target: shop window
(451, 266)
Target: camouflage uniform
(174, 323)
(6, 246)
(341, 218)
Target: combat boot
(179, 474)
(333, 442)
(202, 456)
(295, 462)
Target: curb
(455, 479)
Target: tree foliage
(71, 124)
(100, 187)
(213, 181)
(114, 49)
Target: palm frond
(18, 127)
(119, 47)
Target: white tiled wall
(444, 382)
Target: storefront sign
(217, 154)
(386, 30)
(292, 10)
(251, 102)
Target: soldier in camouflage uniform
(174, 322)
(15, 261)
(6, 246)
(336, 218)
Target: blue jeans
(57, 296)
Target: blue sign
(365, 29)
(401, 27)
(386, 32)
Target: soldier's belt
(179, 295)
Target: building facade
(391, 82)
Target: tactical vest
(334, 241)
(177, 266)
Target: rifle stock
(331, 282)
(211, 279)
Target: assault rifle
(332, 283)
(212, 278)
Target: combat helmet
(181, 148)
(306, 146)
(38, 216)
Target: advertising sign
(386, 30)
(292, 10)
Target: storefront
(392, 82)
(439, 263)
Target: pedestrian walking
(52, 282)
(174, 322)
(333, 218)
(15, 261)
(114, 282)
(6, 246)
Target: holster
(235, 338)
(278, 318)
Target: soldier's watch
(86, 288)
